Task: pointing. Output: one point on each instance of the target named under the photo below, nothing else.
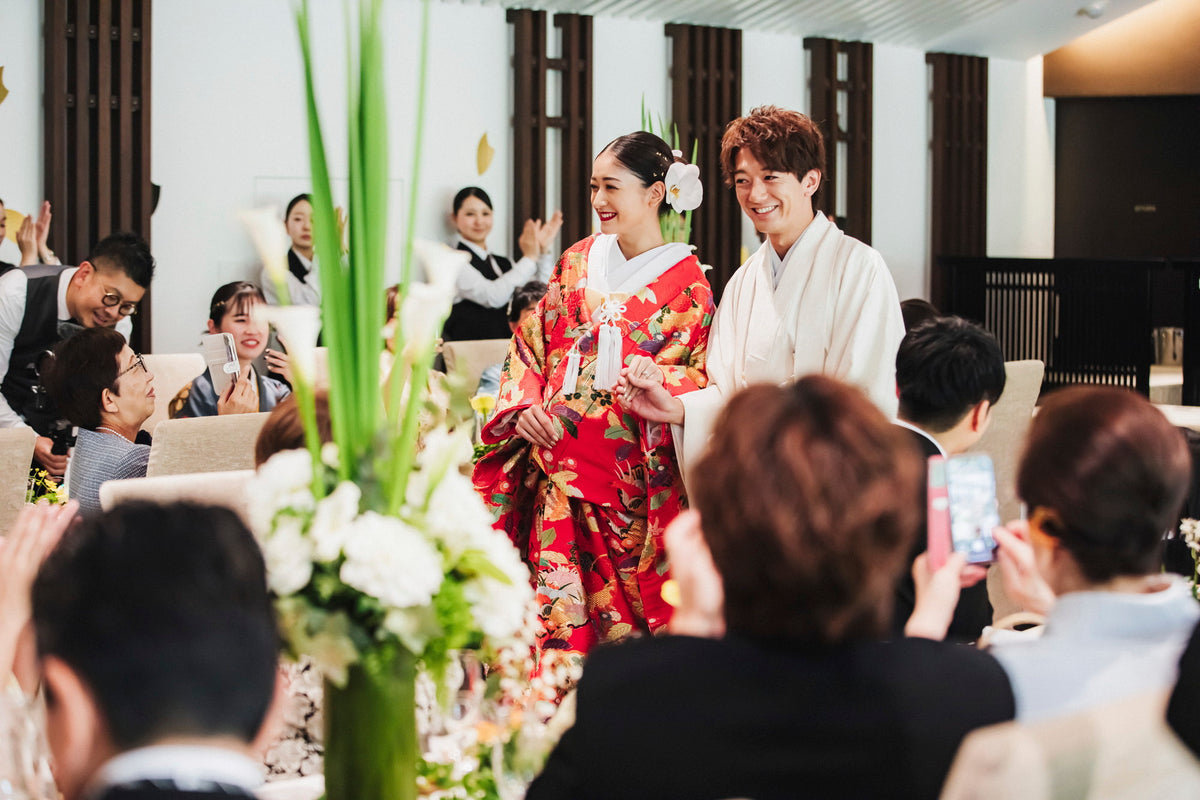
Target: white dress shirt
(186, 766)
(14, 286)
(496, 292)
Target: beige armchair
(204, 444)
(16, 454)
(172, 372)
(470, 358)
(226, 489)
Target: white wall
(229, 129)
(900, 165)
(1020, 176)
(21, 171)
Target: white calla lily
(267, 231)
(298, 328)
(684, 190)
(427, 304)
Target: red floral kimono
(589, 514)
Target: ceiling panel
(998, 28)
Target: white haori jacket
(835, 311)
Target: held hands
(240, 397)
(641, 389)
(536, 426)
(55, 464)
(1018, 568)
(937, 594)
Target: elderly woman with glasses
(105, 389)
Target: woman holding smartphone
(232, 312)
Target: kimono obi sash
(605, 474)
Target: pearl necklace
(110, 430)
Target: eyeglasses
(137, 362)
(111, 299)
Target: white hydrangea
(499, 608)
(284, 481)
(390, 561)
(333, 519)
(457, 515)
(288, 555)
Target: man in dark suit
(949, 373)
(157, 642)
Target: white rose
(288, 554)
(331, 523)
(457, 515)
(499, 608)
(284, 481)
(391, 561)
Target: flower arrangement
(1189, 529)
(380, 553)
(42, 486)
(684, 190)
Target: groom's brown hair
(782, 140)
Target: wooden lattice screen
(706, 95)
(959, 149)
(97, 127)
(840, 87)
(531, 120)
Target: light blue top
(1099, 647)
(100, 456)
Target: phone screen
(971, 490)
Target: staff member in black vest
(40, 306)
(484, 290)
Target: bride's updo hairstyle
(646, 156)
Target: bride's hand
(640, 387)
(536, 426)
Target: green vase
(371, 747)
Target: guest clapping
(808, 503)
(104, 388)
(487, 286)
(232, 311)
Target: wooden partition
(959, 154)
(532, 120)
(97, 127)
(706, 95)
(1088, 320)
(840, 89)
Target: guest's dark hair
(163, 612)
(645, 155)
(916, 311)
(809, 499)
(82, 367)
(307, 198)
(1112, 471)
(781, 140)
(524, 297)
(284, 430)
(125, 252)
(234, 298)
(944, 367)
(471, 191)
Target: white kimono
(835, 311)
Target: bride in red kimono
(583, 487)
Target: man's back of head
(945, 368)
(153, 624)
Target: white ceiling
(1016, 29)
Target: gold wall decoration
(3, 88)
(483, 156)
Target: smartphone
(938, 513)
(221, 356)
(974, 513)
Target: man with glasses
(40, 306)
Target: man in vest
(42, 305)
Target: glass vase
(371, 731)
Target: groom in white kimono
(811, 299)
